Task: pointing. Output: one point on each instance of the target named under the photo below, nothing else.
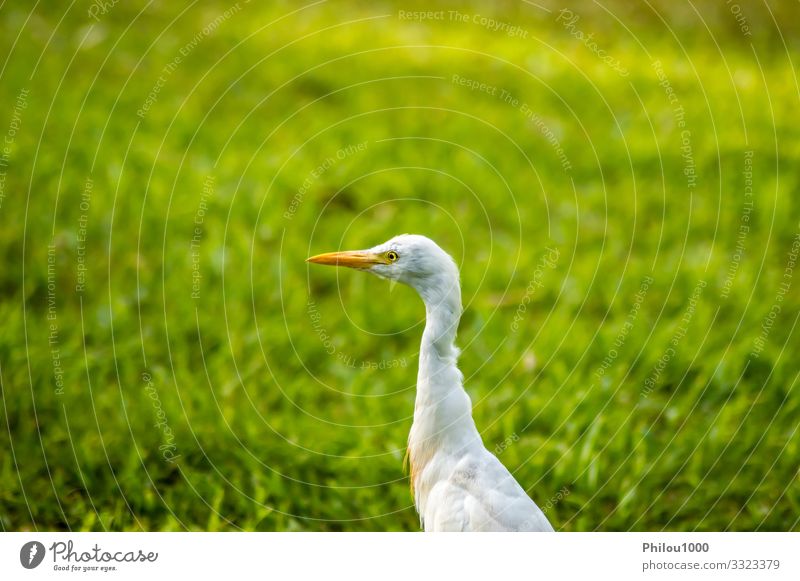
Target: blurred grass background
(278, 397)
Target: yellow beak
(353, 259)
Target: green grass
(259, 379)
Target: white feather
(458, 484)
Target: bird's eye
(391, 256)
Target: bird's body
(458, 484)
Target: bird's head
(410, 258)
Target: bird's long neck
(442, 314)
(443, 412)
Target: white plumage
(458, 484)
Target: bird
(457, 484)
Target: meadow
(617, 181)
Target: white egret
(458, 484)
